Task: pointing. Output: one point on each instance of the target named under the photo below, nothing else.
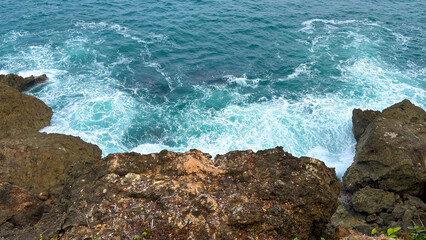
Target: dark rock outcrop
(391, 153)
(385, 186)
(265, 195)
(33, 165)
(58, 185)
(371, 200)
(19, 207)
(34, 161)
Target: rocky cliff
(59, 186)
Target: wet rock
(242, 194)
(370, 200)
(20, 83)
(20, 113)
(39, 162)
(391, 153)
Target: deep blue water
(217, 75)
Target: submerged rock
(265, 195)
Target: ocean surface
(217, 75)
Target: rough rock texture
(35, 163)
(391, 153)
(21, 84)
(19, 207)
(39, 162)
(365, 237)
(58, 185)
(346, 217)
(20, 113)
(371, 200)
(341, 232)
(245, 195)
(385, 186)
(361, 119)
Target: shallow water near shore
(217, 75)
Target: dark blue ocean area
(217, 75)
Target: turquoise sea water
(217, 75)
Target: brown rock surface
(371, 200)
(18, 206)
(265, 195)
(39, 162)
(35, 163)
(20, 113)
(391, 154)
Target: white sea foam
(14, 35)
(301, 69)
(309, 25)
(89, 104)
(163, 73)
(316, 125)
(92, 104)
(242, 81)
(155, 148)
(123, 31)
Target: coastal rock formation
(242, 194)
(385, 186)
(34, 161)
(20, 83)
(59, 186)
(360, 121)
(391, 153)
(21, 113)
